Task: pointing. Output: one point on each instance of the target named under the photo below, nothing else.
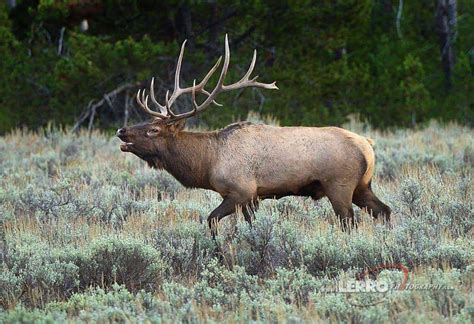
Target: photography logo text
(366, 289)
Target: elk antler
(165, 111)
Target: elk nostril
(121, 132)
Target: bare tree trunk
(446, 21)
(399, 18)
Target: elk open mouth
(125, 146)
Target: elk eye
(153, 131)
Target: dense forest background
(393, 62)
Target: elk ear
(177, 126)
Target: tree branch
(399, 18)
(60, 42)
(91, 108)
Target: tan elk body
(245, 162)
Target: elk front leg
(240, 192)
(249, 211)
(341, 201)
(226, 207)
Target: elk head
(149, 139)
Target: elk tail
(371, 141)
(369, 156)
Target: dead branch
(60, 42)
(90, 111)
(399, 18)
(126, 107)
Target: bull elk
(245, 162)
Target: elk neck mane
(189, 157)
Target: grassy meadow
(91, 234)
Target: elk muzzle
(125, 145)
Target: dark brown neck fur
(189, 158)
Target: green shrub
(220, 287)
(122, 260)
(24, 315)
(185, 248)
(10, 288)
(37, 273)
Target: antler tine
(140, 100)
(167, 104)
(245, 82)
(178, 67)
(251, 67)
(213, 101)
(195, 105)
(220, 82)
(177, 91)
(163, 109)
(137, 98)
(143, 102)
(199, 87)
(203, 83)
(154, 113)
